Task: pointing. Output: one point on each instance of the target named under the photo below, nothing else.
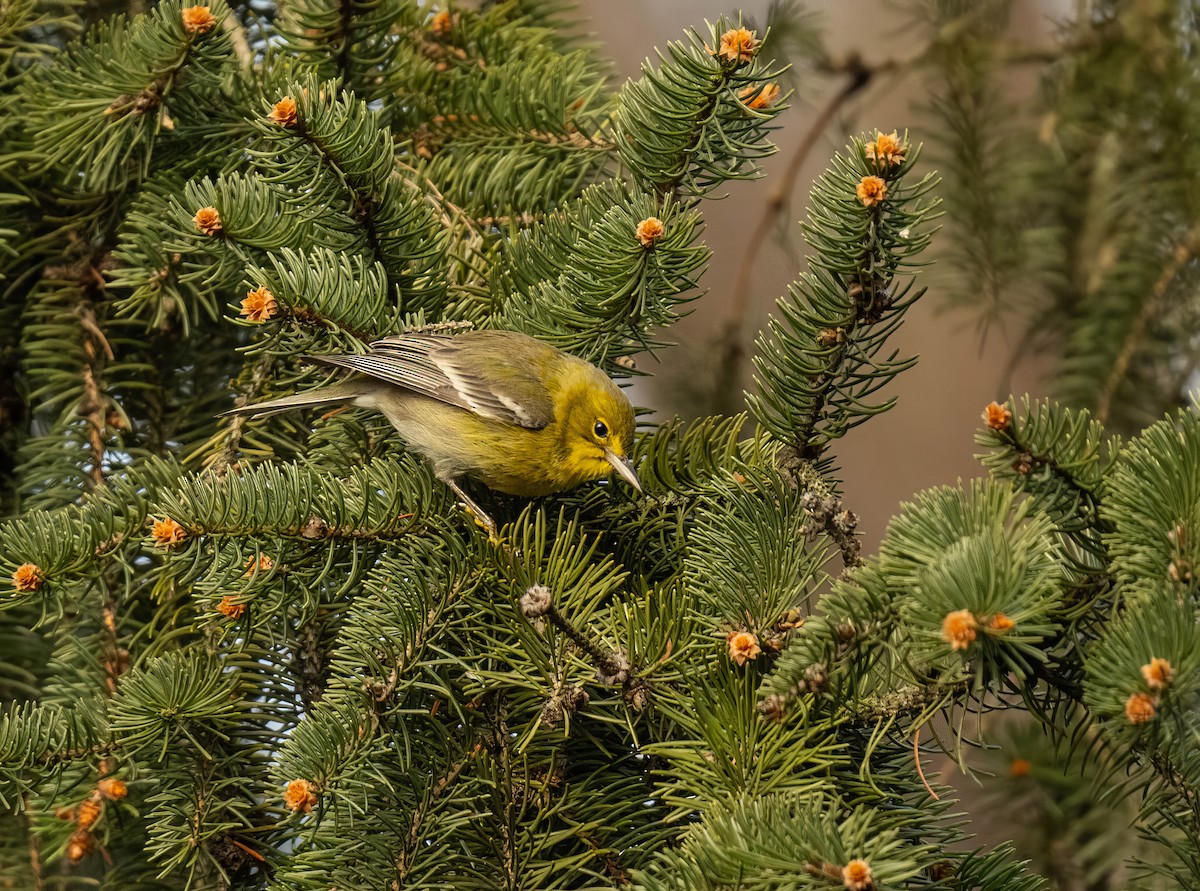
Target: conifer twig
(1183, 254)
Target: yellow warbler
(500, 407)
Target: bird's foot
(484, 522)
(478, 514)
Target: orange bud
(79, 845)
(997, 416)
(88, 812)
(764, 98)
(743, 646)
(650, 230)
(1140, 708)
(300, 796)
(1000, 623)
(856, 875)
(284, 112)
(871, 191)
(958, 629)
(113, 788)
(1158, 673)
(167, 533)
(27, 577)
(198, 20)
(208, 221)
(442, 24)
(886, 150)
(738, 45)
(259, 305)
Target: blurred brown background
(927, 439)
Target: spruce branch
(695, 90)
(818, 365)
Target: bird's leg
(481, 516)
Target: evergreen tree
(272, 653)
(1076, 207)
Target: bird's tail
(342, 391)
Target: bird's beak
(623, 467)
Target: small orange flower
(743, 646)
(208, 221)
(856, 875)
(88, 812)
(166, 532)
(958, 629)
(198, 20)
(284, 112)
(1140, 708)
(259, 305)
(871, 190)
(886, 150)
(79, 845)
(765, 97)
(738, 45)
(650, 230)
(1158, 673)
(113, 788)
(1000, 623)
(997, 416)
(300, 796)
(442, 24)
(1019, 767)
(229, 608)
(27, 577)
(262, 564)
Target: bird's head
(598, 427)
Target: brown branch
(440, 202)
(35, 847)
(226, 459)
(920, 769)
(383, 692)
(241, 45)
(1183, 254)
(404, 861)
(734, 347)
(316, 529)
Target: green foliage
(885, 628)
(1076, 205)
(785, 841)
(1072, 805)
(310, 670)
(822, 360)
(96, 115)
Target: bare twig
(920, 769)
(241, 45)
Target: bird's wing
(493, 374)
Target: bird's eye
(601, 429)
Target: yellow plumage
(500, 407)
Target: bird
(500, 407)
